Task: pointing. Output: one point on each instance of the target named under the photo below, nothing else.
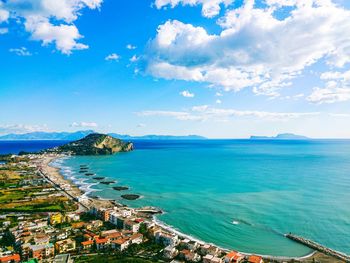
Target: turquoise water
(238, 194)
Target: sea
(237, 194)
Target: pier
(149, 210)
(318, 247)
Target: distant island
(282, 136)
(72, 136)
(94, 144)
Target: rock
(120, 188)
(130, 196)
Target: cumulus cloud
(21, 128)
(204, 112)
(130, 46)
(134, 58)
(254, 49)
(50, 21)
(113, 57)
(187, 94)
(22, 51)
(210, 8)
(336, 89)
(84, 125)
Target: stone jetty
(318, 247)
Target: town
(43, 220)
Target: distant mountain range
(72, 136)
(283, 136)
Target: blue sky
(218, 68)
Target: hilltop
(95, 144)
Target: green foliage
(8, 239)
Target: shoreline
(50, 171)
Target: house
(233, 256)
(41, 251)
(216, 260)
(136, 238)
(255, 259)
(101, 243)
(41, 239)
(113, 217)
(166, 238)
(72, 217)
(125, 212)
(56, 218)
(207, 258)
(120, 244)
(189, 256)
(111, 234)
(209, 249)
(132, 226)
(87, 244)
(64, 246)
(170, 252)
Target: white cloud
(187, 94)
(218, 101)
(218, 94)
(254, 49)
(4, 15)
(204, 112)
(4, 30)
(84, 124)
(51, 21)
(113, 56)
(336, 89)
(130, 46)
(22, 51)
(21, 128)
(141, 125)
(340, 115)
(134, 58)
(210, 8)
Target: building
(10, 258)
(56, 218)
(136, 238)
(132, 226)
(170, 252)
(111, 234)
(233, 256)
(189, 256)
(41, 239)
(72, 217)
(211, 259)
(87, 244)
(255, 259)
(166, 239)
(120, 244)
(101, 243)
(64, 246)
(41, 251)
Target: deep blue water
(14, 147)
(238, 194)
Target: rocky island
(94, 144)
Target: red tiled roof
(14, 257)
(101, 240)
(254, 259)
(120, 241)
(234, 255)
(86, 243)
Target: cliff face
(96, 144)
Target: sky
(217, 68)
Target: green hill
(95, 144)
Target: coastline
(55, 174)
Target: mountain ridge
(72, 136)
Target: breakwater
(319, 247)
